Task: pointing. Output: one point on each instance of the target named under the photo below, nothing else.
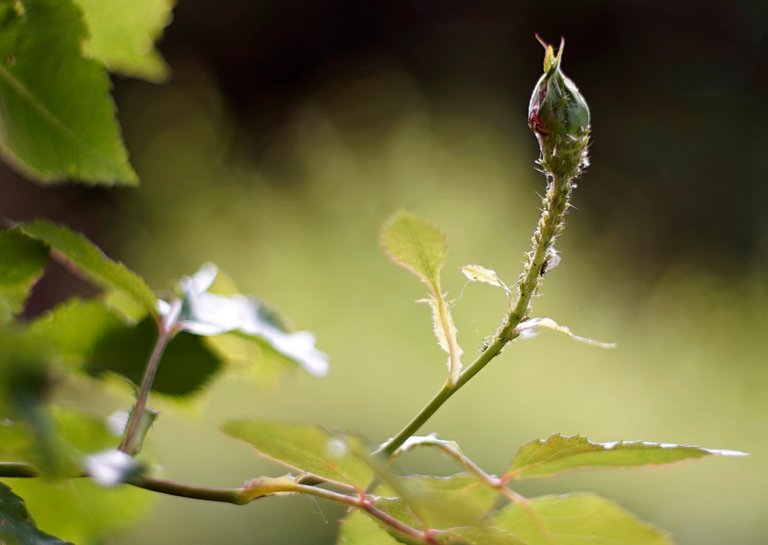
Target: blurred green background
(291, 130)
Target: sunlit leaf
(186, 366)
(123, 32)
(22, 261)
(56, 114)
(577, 519)
(208, 314)
(306, 449)
(359, 529)
(557, 453)
(439, 502)
(16, 525)
(91, 261)
(418, 246)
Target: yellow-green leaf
(577, 519)
(307, 449)
(123, 33)
(557, 453)
(359, 529)
(417, 245)
(17, 526)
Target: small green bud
(559, 116)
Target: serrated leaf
(123, 33)
(209, 314)
(56, 114)
(418, 246)
(187, 364)
(91, 261)
(307, 449)
(439, 502)
(359, 529)
(557, 453)
(17, 526)
(577, 519)
(22, 261)
(75, 328)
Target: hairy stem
(550, 224)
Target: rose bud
(559, 116)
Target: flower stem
(555, 205)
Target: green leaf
(439, 502)
(473, 535)
(359, 529)
(187, 364)
(91, 261)
(75, 328)
(417, 245)
(56, 114)
(16, 525)
(22, 261)
(123, 32)
(82, 511)
(556, 454)
(577, 519)
(307, 449)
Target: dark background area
(677, 89)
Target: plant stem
(166, 329)
(550, 224)
(248, 493)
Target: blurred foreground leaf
(577, 519)
(307, 449)
(22, 261)
(439, 502)
(123, 33)
(556, 454)
(81, 511)
(417, 245)
(359, 529)
(16, 525)
(87, 258)
(187, 363)
(57, 118)
(74, 329)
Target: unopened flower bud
(559, 116)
